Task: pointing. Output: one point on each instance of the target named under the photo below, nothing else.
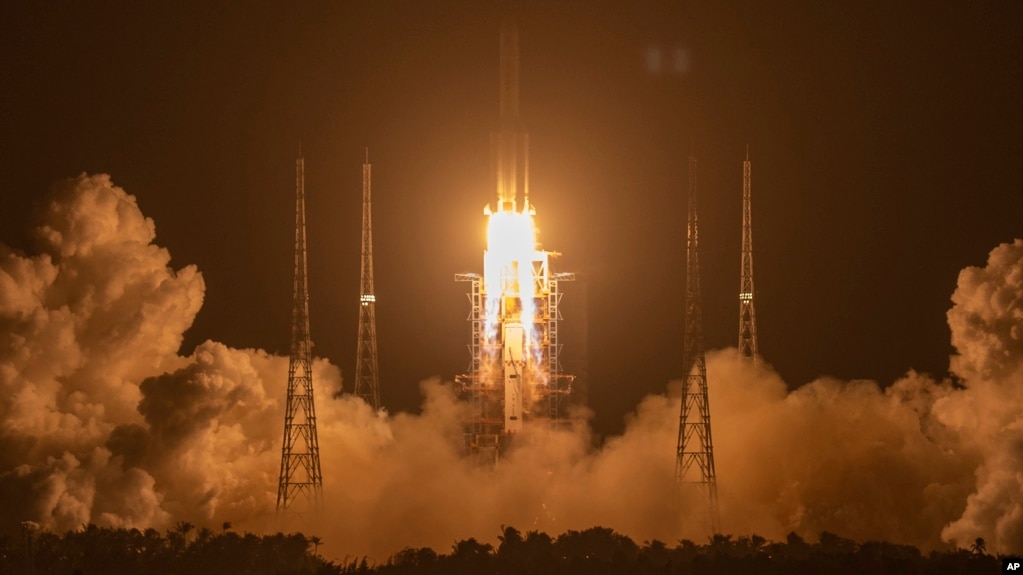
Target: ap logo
(1012, 565)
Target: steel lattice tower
(694, 437)
(300, 453)
(747, 313)
(367, 379)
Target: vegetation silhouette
(600, 551)
(594, 551)
(98, 550)
(979, 546)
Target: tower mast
(300, 452)
(694, 437)
(747, 313)
(367, 379)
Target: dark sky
(886, 141)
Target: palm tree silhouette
(315, 541)
(182, 528)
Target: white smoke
(987, 332)
(102, 421)
(81, 324)
(845, 457)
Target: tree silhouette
(595, 551)
(315, 541)
(94, 549)
(413, 557)
(750, 545)
(599, 543)
(511, 540)
(471, 556)
(203, 536)
(532, 554)
(183, 527)
(655, 552)
(471, 549)
(832, 544)
(721, 546)
(796, 546)
(412, 560)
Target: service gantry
(747, 313)
(300, 489)
(367, 378)
(694, 465)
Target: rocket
(508, 276)
(515, 375)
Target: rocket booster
(510, 145)
(511, 258)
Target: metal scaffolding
(747, 313)
(545, 386)
(367, 378)
(694, 465)
(300, 452)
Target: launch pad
(515, 385)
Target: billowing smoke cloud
(987, 332)
(102, 421)
(845, 457)
(921, 462)
(81, 324)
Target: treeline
(600, 551)
(183, 551)
(594, 551)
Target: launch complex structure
(300, 484)
(367, 366)
(694, 464)
(515, 384)
(747, 312)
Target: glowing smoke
(83, 323)
(987, 332)
(102, 421)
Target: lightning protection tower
(747, 313)
(300, 453)
(367, 379)
(694, 465)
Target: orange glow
(507, 264)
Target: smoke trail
(102, 421)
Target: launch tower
(367, 379)
(694, 464)
(515, 375)
(747, 314)
(300, 453)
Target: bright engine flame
(508, 268)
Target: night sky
(886, 142)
